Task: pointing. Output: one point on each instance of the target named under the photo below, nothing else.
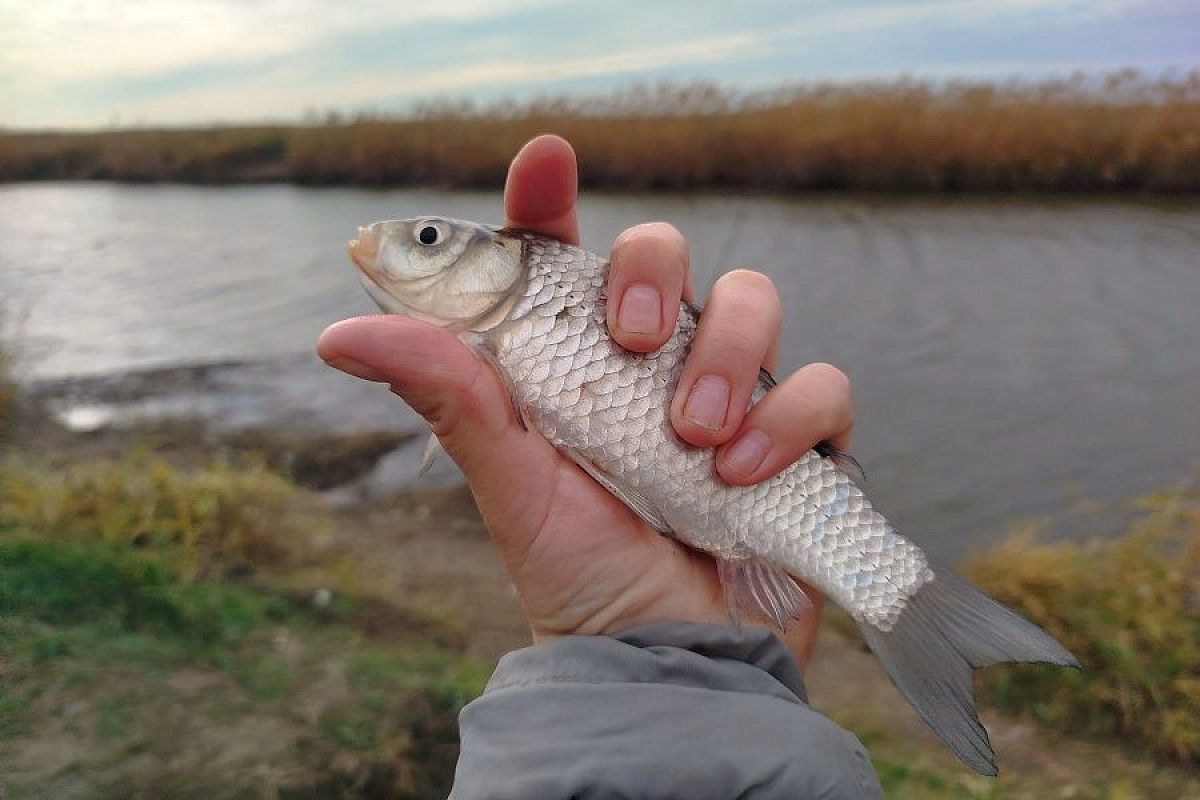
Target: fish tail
(946, 631)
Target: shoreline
(252, 408)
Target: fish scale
(536, 310)
(612, 406)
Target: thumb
(460, 396)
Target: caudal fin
(946, 631)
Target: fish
(535, 309)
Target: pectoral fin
(482, 346)
(630, 497)
(433, 449)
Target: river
(1012, 359)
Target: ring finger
(737, 334)
(813, 405)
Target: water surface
(1010, 358)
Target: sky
(89, 63)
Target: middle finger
(736, 335)
(648, 276)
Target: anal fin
(759, 588)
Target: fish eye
(429, 235)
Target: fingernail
(707, 402)
(641, 309)
(356, 368)
(748, 452)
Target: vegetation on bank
(8, 381)
(1121, 132)
(162, 633)
(8, 394)
(195, 632)
(1129, 608)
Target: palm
(581, 561)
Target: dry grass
(1122, 132)
(1129, 608)
(205, 523)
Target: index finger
(540, 192)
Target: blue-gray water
(1011, 359)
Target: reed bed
(1120, 132)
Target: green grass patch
(150, 627)
(61, 583)
(411, 694)
(1129, 609)
(909, 771)
(914, 781)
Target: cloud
(50, 42)
(172, 61)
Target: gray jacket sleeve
(673, 710)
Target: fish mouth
(365, 249)
(364, 252)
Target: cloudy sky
(87, 63)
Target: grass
(152, 644)
(1122, 728)
(1116, 132)
(156, 641)
(909, 778)
(221, 520)
(1129, 609)
(73, 583)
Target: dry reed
(1121, 132)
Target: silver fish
(535, 309)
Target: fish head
(451, 273)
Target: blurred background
(220, 574)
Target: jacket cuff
(658, 711)
(712, 657)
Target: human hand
(582, 562)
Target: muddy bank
(351, 440)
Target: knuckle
(434, 409)
(832, 377)
(662, 230)
(823, 397)
(750, 279)
(730, 345)
(749, 296)
(805, 412)
(755, 285)
(650, 235)
(650, 250)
